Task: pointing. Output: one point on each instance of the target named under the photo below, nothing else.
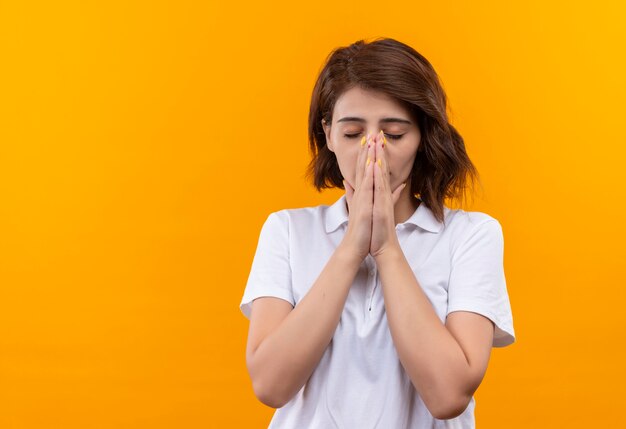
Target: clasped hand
(371, 223)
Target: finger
(383, 152)
(360, 161)
(381, 197)
(369, 157)
(376, 184)
(382, 168)
(367, 186)
(396, 194)
(349, 193)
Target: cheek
(399, 165)
(347, 164)
(346, 157)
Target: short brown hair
(441, 166)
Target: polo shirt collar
(423, 217)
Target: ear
(326, 127)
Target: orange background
(143, 144)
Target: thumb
(396, 194)
(349, 192)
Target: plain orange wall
(143, 144)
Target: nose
(375, 134)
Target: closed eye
(391, 136)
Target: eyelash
(391, 136)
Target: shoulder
(299, 217)
(298, 213)
(464, 218)
(462, 225)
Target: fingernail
(380, 163)
(368, 161)
(363, 140)
(383, 137)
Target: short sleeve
(477, 281)
(270, 274)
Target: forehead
(368, 104)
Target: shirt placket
(372, 283)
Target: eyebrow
(382, 121)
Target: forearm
(285, 360)
(431, 356)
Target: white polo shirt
(360, 383)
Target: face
(358, 112)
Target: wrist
(391, 253)
(348, 254)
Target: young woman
(380, 310)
